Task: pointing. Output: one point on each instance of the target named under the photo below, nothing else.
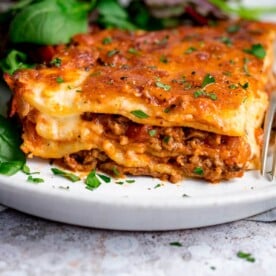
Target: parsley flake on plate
(72, 177)
(246, 256)
(105, 178)
(176, 243)
(92, 182)
(35, 180)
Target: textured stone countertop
(32, 246)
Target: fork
(268, 124)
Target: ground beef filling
(189, 152)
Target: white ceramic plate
(142, 205)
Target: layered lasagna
(187, 102)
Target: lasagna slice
(187, 102)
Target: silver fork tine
(273, 172)
(267, 132)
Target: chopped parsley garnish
(107, 40)
(226, 40)
(129, 181)
(245, 66)
(246, 256)
(233, 28)
(201, 44)
(56, 62)
(157, 186)
(167, 109)
(233, 86)
(25, 169)
(59, 80)
(198, 171)
(139, 114)
(187, 85)
(163, 41)
(64, 188)
(133, 51)
(115, 171)
(190, 50)
(166, 139)
(256, 50)
(164, 86)
(227, 73)
(35, 180)
(182, 80)
(70, 176)
(207, 80)
(95, 74)
(164, 59)
(212, 96)
(152, 132)
(244, 86)
(112, 52)
(176, 243)
(105, 178)
(199, 93)
(91, 181)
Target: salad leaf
(13, 61)
(12, 158)
(50, 22)
(142, 18)
(10, 168)
(112, 14)
(242, 11)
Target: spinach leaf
(10, 168)
(6, 16)
(11, 157)
(50, 22)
